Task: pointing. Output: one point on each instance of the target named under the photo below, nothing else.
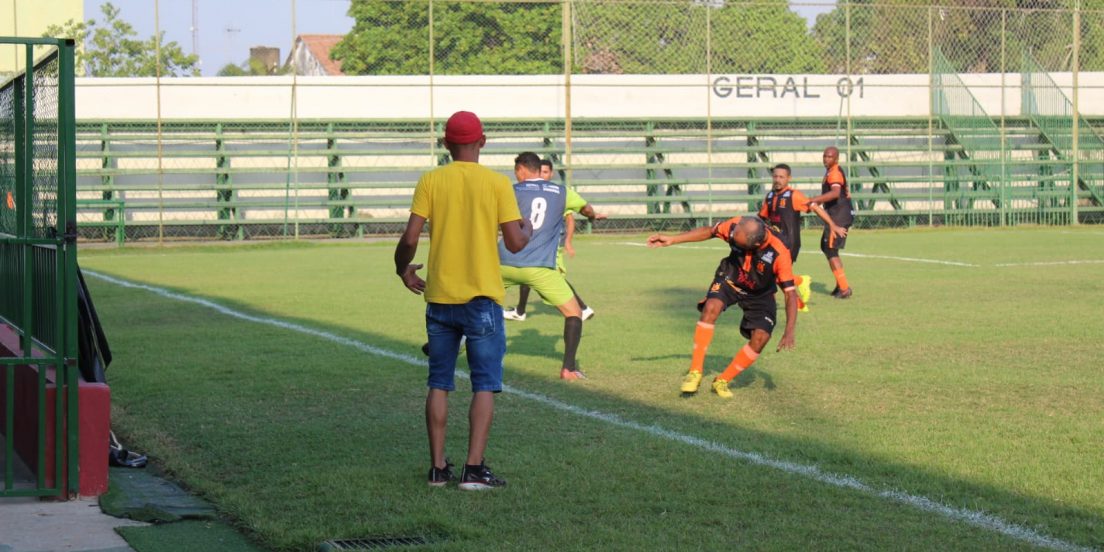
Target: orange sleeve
(721, 229)
(763, 214)
(835, 176)
(799, 201)
(783, 268)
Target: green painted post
(67, 219)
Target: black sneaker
(835, 293)
(845, 294)
(479, 478)
(439, 477)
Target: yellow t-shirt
(465, 203)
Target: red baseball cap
(463, 128)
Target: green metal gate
(38, 263)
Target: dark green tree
(392, 38)
(891, 36)
(674, 38)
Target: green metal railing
(967, 123)
(38, 268)
(1049, 109)
(230, 179)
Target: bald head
(750, 233)
(831, 156)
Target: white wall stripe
(973, 517)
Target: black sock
(573, 332)
(523, 298)
(582, 304)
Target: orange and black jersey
(840, 208)
(755, 272)
(782, 210)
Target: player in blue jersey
(543, 203)
(575, 204)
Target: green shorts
(548, 282)
(560, 265)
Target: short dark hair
(528, 160)
(782, 166)
(546, 163)
(758, 234)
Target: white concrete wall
(543, 96)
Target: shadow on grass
(221, 472)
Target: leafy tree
(112, 49)
(392, 38)
(891, 36)
(608, 37)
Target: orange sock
(743, 359)
(841, 279)
(703, 335)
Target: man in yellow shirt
(467, 204)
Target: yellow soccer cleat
(720, 387)
(691, 382)
(803, 308)
(804, 291)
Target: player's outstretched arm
(788, 341)
(839, 231)
(696, 235)
(569, 234)
(589, 212)
(404, 253)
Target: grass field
(956, 402)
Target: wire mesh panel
(656, 110)
(973, 171)
(38, 263)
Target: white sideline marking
(1052, 263)
(843, 253)
(908, 259)
(973, 517)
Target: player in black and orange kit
(756, 265)
(836, 199)
(782, 210)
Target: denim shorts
(480, 320)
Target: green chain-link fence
(660, 112)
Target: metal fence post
(1003, 125)
(569, 177)
(1076, 114)
(931, 120)
(67, 264)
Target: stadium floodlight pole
(1076, 176)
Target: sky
(228, 28)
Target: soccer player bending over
(757, 264)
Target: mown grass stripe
(972, 517)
